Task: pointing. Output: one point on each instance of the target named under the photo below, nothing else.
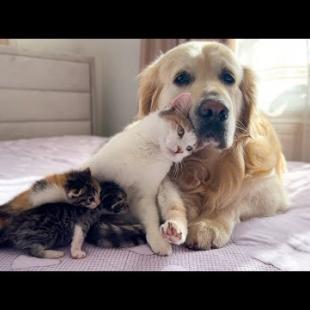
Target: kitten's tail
(116, 236)
(3, 208)
(5, 218)
(8, 209)
(3, 236)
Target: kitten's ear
(87, 172)
(182, 102)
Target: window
(282, 68)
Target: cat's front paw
(77, 254)
(160, 246)
(174, 232)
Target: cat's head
(113, 198)
(82, 189)
(178, 139)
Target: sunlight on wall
(282, 69)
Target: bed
(47, 125)
(254, 242)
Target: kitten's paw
(77, 254)
(160, 246)
(174, 232)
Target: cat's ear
(182, 102)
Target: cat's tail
(106, 235)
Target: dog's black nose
(213, 110)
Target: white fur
(52, 193)
(138, 160)
(172, 211)
(77, 242)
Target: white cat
(138, 159)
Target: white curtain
(282, 69)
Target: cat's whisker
(182, 167)
(179, 169)
(176, 170)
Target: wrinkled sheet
(282, 240)
(267, 244)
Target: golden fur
(218, 187)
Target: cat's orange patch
(57, 179)
(20, 203)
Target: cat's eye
(189, 148)
(180, 131)
(90, 200)
(183, 78)
(76, 192)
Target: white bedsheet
(282, 240)
(24, 161)
(258, 244)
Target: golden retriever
(237, 175)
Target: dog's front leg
(211, 231)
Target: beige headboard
(45, 95)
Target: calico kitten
(50, 226)
(74, 187)
(139, 159)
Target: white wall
(117, 65)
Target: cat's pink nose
(179, 150)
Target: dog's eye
(183, 78)
(227, 78)
(189, 148)
(180, 131)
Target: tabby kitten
(74, 187)
(51, 225)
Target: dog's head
(223, 91)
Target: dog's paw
(173, 232)
(205, 235)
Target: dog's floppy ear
(149, 89)
(248, 89)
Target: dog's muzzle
(210, 122)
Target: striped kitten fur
(74, 188)
(39, 231)
(108, 235)
(117, 231)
